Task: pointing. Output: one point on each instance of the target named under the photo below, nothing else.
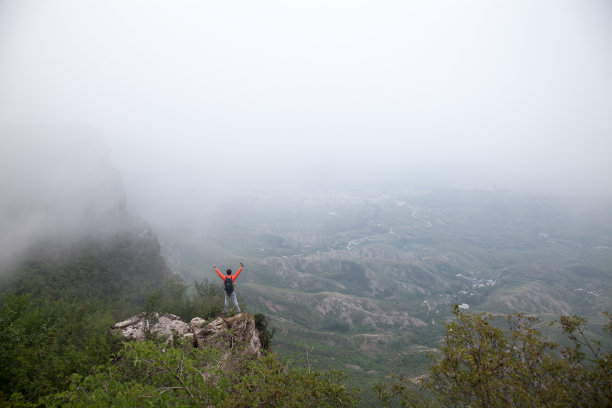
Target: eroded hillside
(360, 277)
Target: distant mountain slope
(64, 224)
(350, 274)
(124, 267)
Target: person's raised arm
(218, 272)
(238, 272)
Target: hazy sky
(214, 95)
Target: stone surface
(226, 333)
(230, 332)
(135, 327)
(196, 324)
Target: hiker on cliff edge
(229, 280)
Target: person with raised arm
(230, 287)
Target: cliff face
(65, 229)
(220, 333)
(124, 267)
(56, 188)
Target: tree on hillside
(43, 341)
(483, 365)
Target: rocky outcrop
(221, 332)
(239, 329)
(137, 327)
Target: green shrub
(265, 335)
(151, 374)
(482, 365)
(42, 342)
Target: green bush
(265, 335)
(151, 374)
(42, 342)
(482, 365)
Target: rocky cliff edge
(221, 332)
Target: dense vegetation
(56, 348)
(120, 271)
(484, 365)
(58, 353)
(43, 341)
(61, 353)
(185, 376)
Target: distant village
(477, 283)
(590, 292)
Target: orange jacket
(234, 276)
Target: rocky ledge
(219, 333)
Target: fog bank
(199, 101)
(57, 188)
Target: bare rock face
(239, 329)
(196, 324)
(135, 327)
(224, 333)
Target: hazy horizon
(194, 102)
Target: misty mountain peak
(56, 187)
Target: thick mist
(56, 187)
(198, 103)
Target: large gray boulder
(225, 333)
